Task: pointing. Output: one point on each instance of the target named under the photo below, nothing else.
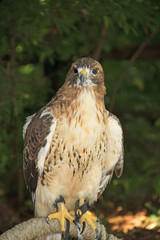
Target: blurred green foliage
(38, 42)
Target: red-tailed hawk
(72, 146)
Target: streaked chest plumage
(79, 140)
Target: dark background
(39, 40)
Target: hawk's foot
(63, 216)
(82, 215)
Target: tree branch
(98, 51)
(151, 51)
(37, 227)
(131, 61)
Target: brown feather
(35, 139)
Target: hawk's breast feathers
(73, 145)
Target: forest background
(39, 40)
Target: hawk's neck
(85, 109)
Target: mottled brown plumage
(72, 145)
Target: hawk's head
(85, 72)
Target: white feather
(88, 82)
(103, 182)
(43, 152)
(115, 142)
(45, 112)
(28, 120)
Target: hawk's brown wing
(37, 132)
(114, 156)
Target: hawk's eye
(95, 71)
(75, 70)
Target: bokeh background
(39, 40)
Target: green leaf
(153, 217)
(106, 21)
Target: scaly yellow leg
(62, 214)
(87, 216)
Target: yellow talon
(87, 217)
(62, 214)
(72, 212)
(94, 218)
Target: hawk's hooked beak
(83, 76)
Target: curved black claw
(47, 220)
(83, 227)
